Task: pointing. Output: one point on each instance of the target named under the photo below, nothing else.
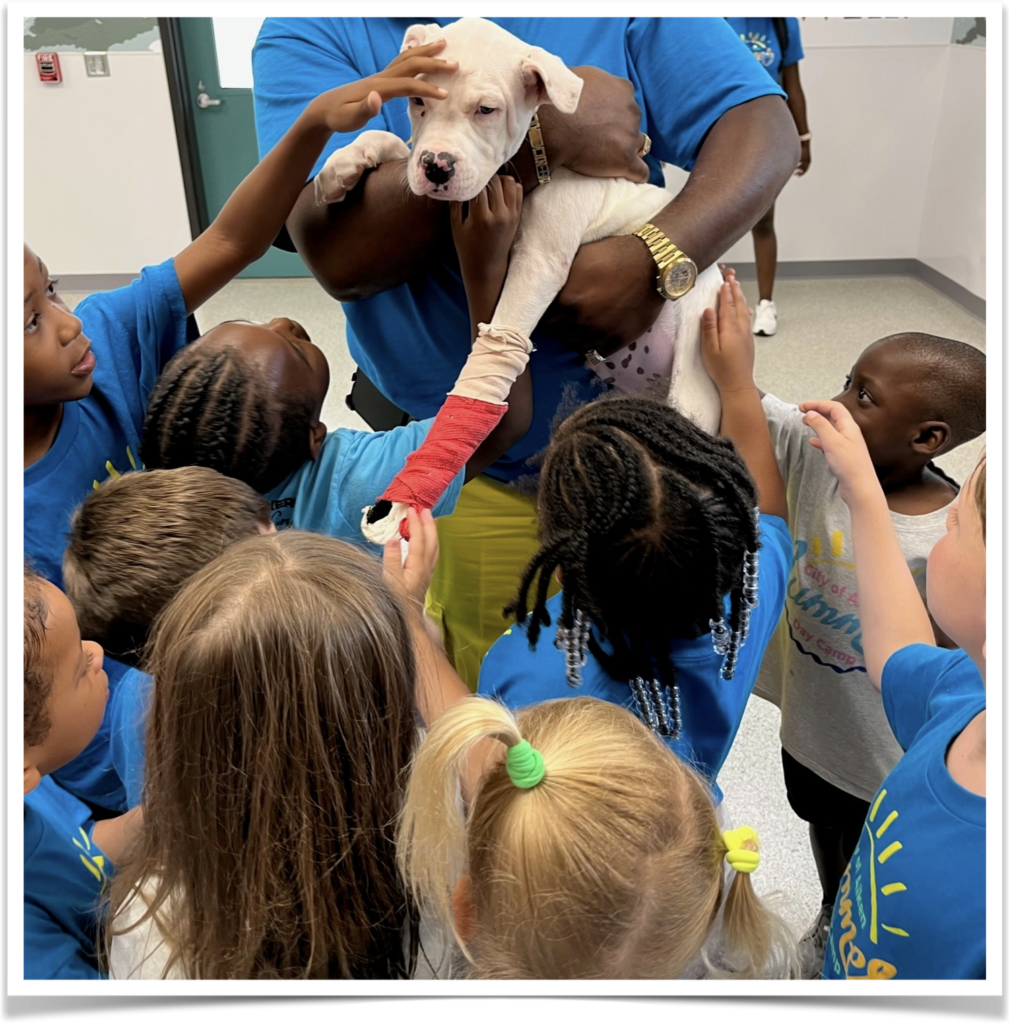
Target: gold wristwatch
(677, 272)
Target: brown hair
(280, 734)
(38, 671)
(136, 539)
(612, 867)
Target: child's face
(59, 365)
(881, 395)
(281, 352)
(955, 578)
(80, 686)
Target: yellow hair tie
(739, 858)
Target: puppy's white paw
(387, 528)
(343, 170)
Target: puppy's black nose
(437, 168)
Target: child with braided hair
(589, 850)
(246, 400)
(653, 528)
(87, 377)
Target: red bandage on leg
(461, 426)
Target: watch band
(663, 251)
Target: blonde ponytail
(431, 843)
(755, 941)
(610, 865)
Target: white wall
(103, 184)
(952, 238)
(898, 150)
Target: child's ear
(32, 777)
(462, 909)
(932, 439)
(316, 435)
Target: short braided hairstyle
(648, 517)
(209, 409)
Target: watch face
(679, 278)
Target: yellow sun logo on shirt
(883, 846)
(94, 862)
(112, 471)
(889, 850)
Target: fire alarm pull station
(49, 67)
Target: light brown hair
(136, 539)
(981, 493)
(38, 670)
(612, 867)
(281, 730)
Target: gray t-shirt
(832, 718)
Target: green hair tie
(525, 765)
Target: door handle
(203, 101)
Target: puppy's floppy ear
(551, 80)
(419, 35)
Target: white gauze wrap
(498, 358)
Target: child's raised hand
(414, 575)
(727, 340)
(352, 106)
(483, 238)
(840, 440)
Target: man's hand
(609, 299)
(602, 138)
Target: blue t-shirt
(412, 340)
(65, 873)
(912, 901)
(109, 772)
(133, 331)
(711, 708)
(772, 52)
(328, 494)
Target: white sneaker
(765, 319)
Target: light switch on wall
(96, 65)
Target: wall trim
(793, 269)
(747, 271)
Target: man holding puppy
(687, 92)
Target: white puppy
(458, 145)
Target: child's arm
(890, 609)
(727, 351)
(483, 242)
(116, 835)
(250, 220)
(438, 684)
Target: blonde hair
(136, 539)
(981, 492)
(281, 730)
(612, 867)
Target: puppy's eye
(485, 110)
(416, 101)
